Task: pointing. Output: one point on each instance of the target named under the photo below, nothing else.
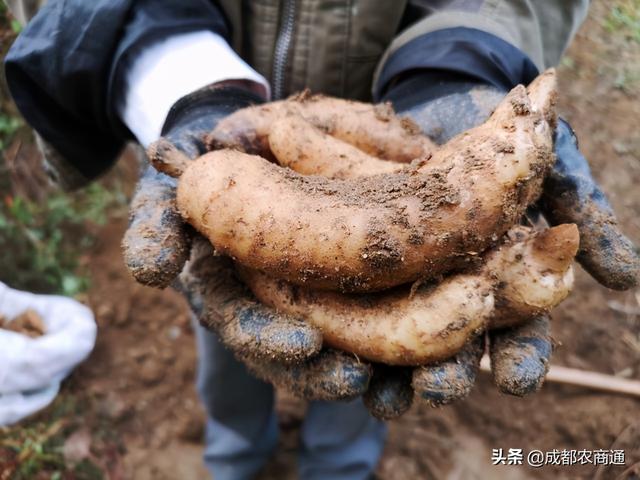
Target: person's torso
(328, 46)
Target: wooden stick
(583, 378)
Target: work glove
(156, 244)
(277, 348)
(444, 105)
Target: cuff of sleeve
(170, 69)
(469, 52)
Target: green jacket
(337, 46)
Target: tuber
(534, 276)
(297, 144)
(372, 233)
(374, 129)
(526, 276)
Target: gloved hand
(449, 106)
(444, 105)
(156, 245)
(277, 348)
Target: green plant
(568, 62)
(625, 16)
(16, 26)
(627, 80)
(41, 242)
(9, 121)
(9, 125)
(35, 449)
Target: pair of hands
(287, 351)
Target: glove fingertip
(451, 380)
(152, 264)
(611, 259)
(519, 379)
(167, 158)
(390, 393)
(157, 242)
(349, 377)
(330, 375)
(520, 357)
(259, 331)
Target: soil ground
(140, 378)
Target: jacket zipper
(283, 47)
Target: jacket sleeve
(500, 43)
(66, 66)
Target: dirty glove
(443, 105)
(279, 349)
(571, 195)
(156, 245)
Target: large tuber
(525, 277)
(372, 233)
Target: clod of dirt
(114, 407)
(190, 428)
(28, 323)
(151, 371)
